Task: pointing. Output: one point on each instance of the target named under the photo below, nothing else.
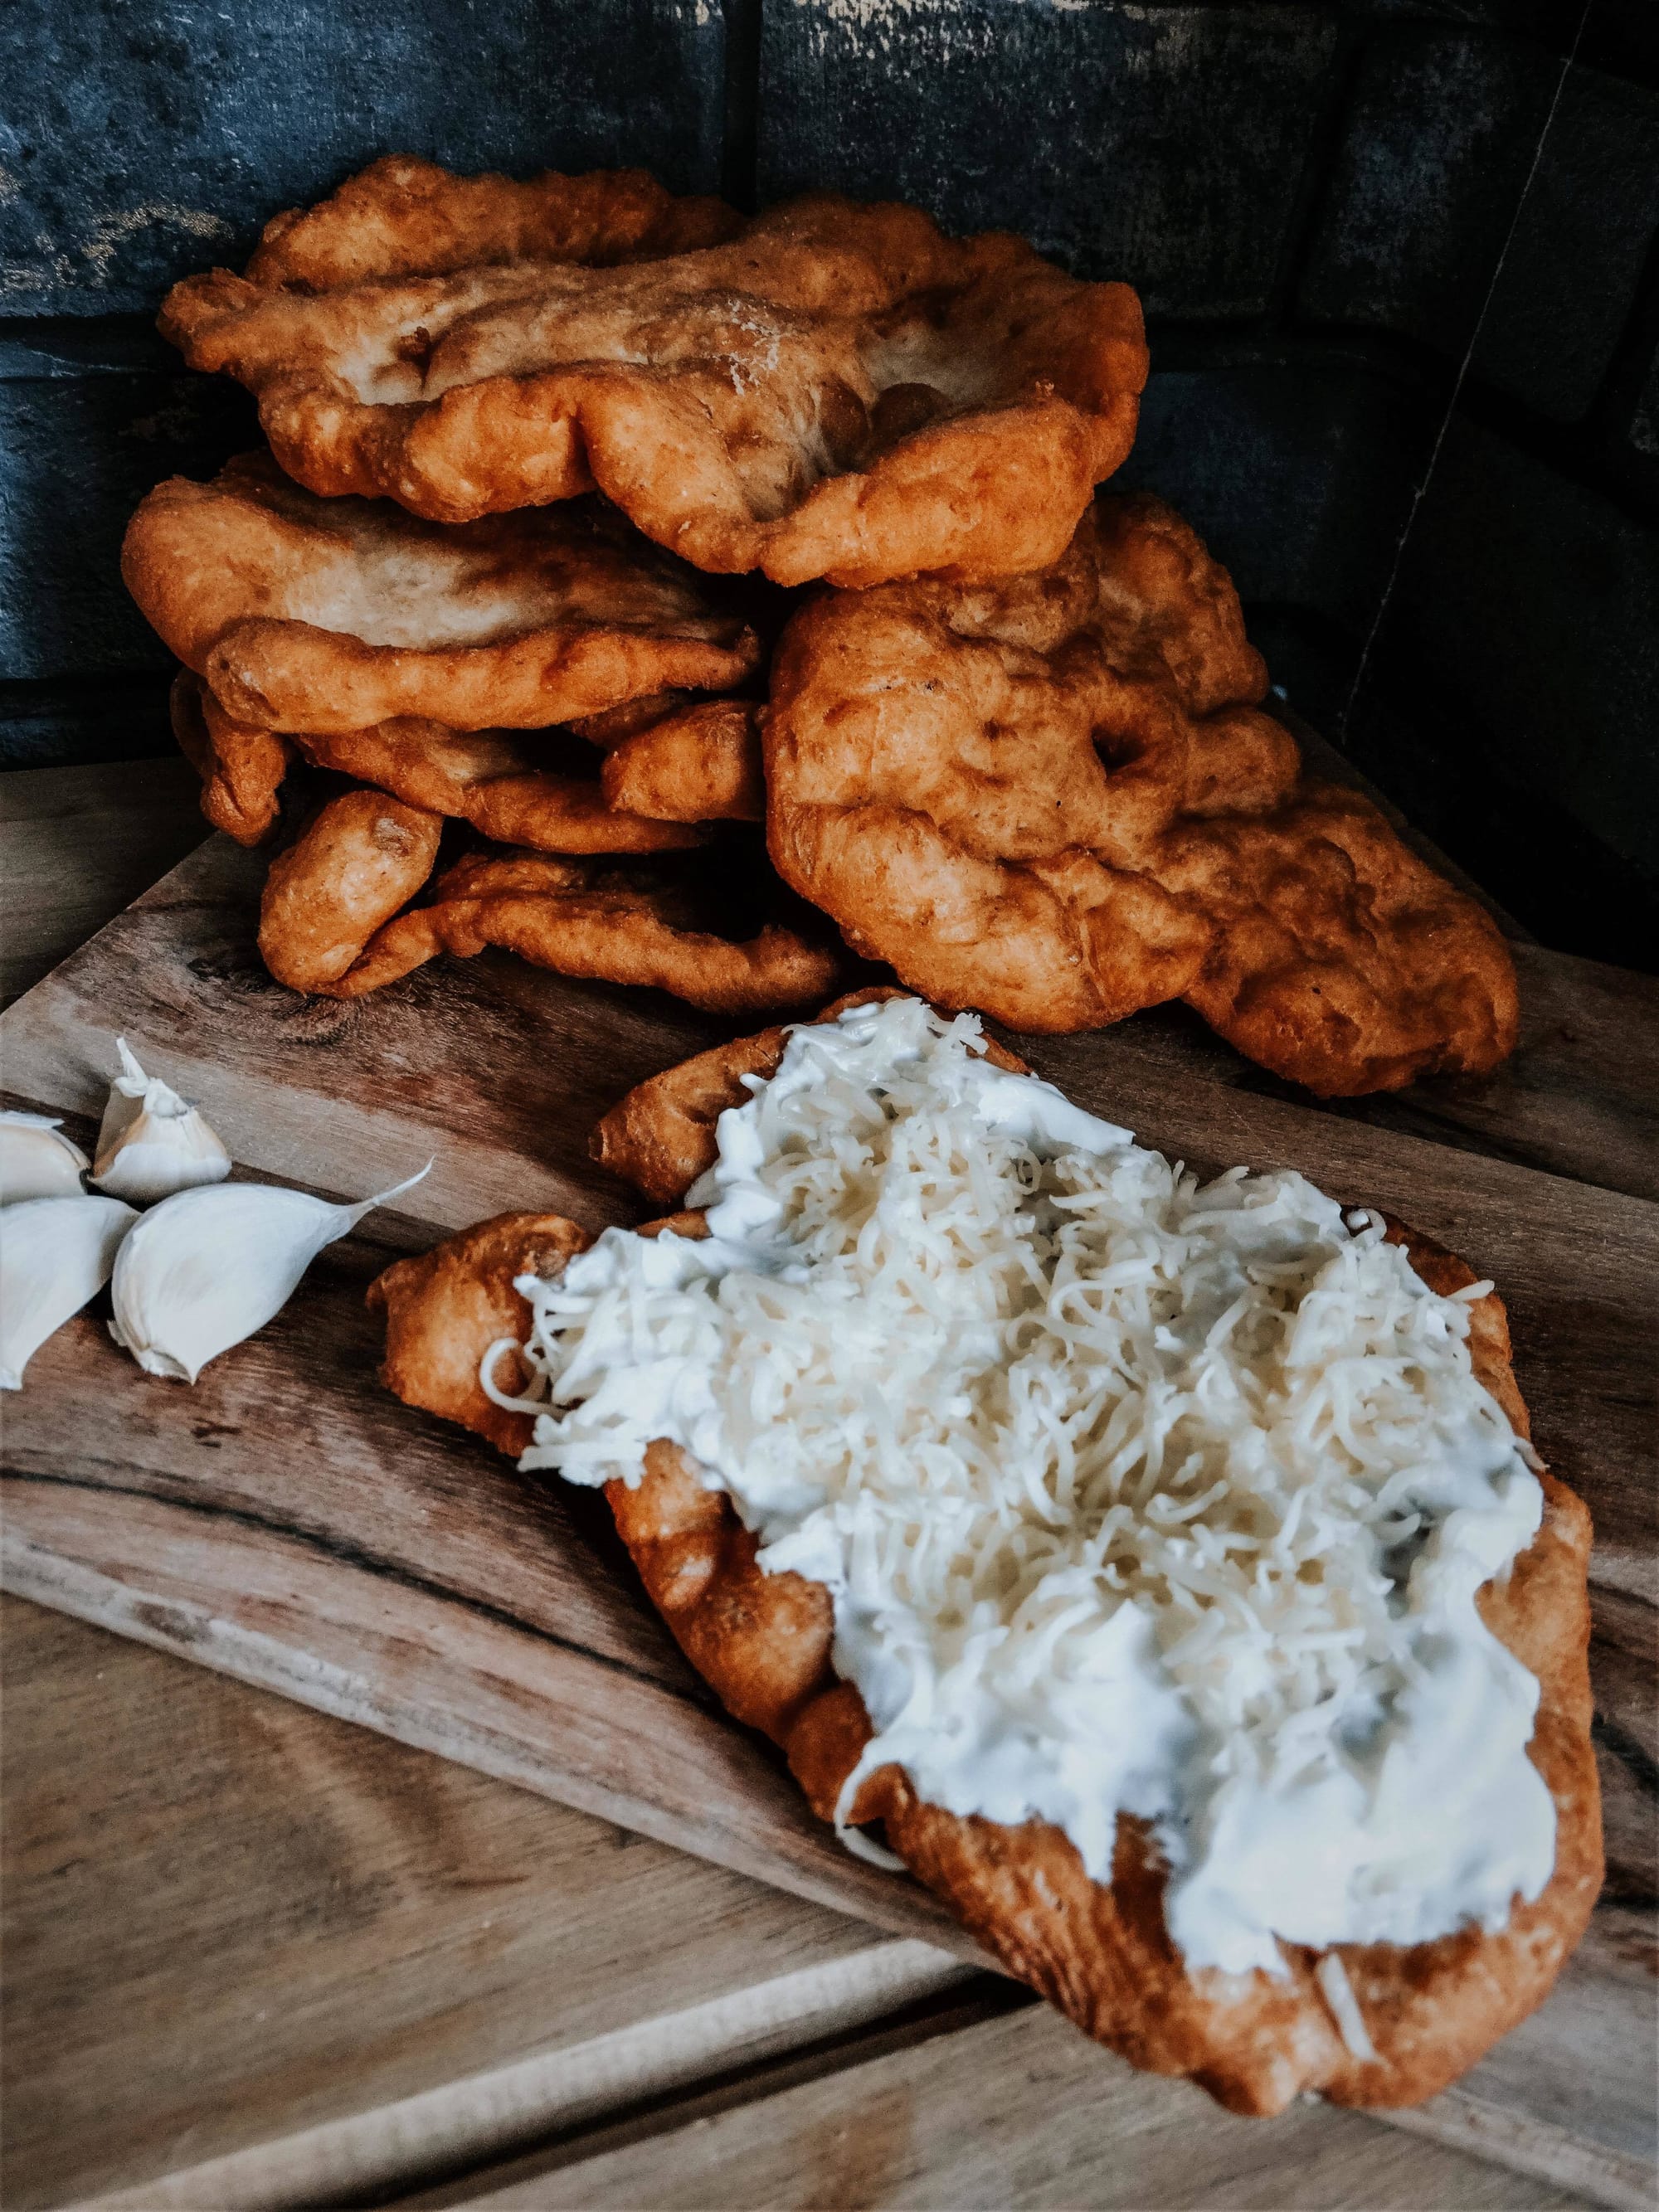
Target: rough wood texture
(287, 1522)
(74, 848)
(227, 1919)
(1017, 2111)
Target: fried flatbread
(1052, 797)
(1099, 1952)
(330, 922)
(305, 614)
(652, 793)
(406, 217)
(839, 391)
(493, 779)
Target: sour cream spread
(1133, 1494)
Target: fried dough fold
(698, 763)
(356, 863)
(838, 391)
(1099, 1952)
(242, 768)
(329, 920)
(325, 615)
(445, 1307)
(653, 793)
(1052, 797)
(491, 779)
(406, 217)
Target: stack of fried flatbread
(524, 439)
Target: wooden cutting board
(287, 1521)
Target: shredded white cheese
(1133, 1494)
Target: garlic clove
(208, 1266)
(36, 1161)
(152, 1142)
(55, 1253)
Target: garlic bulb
(55, 1253)
(152, 1142)
(206, 1268)
(35, 1161)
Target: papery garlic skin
(206, 1268)
(151, 1143)
(37, 1160)
(55, 1253)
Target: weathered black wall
(1313, 199)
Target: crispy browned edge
(1101, 1952)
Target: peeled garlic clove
(55, 1253)
(36, 1162)
(206, 1268)
(152, 1142)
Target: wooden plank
(76, 844)
(321, 1622)
(228, 1919)
(1016, 2112)
(485, 2117)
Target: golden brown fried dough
(700, 763)
(840, 390)
(406, 217)
(492, 779)
(325, 615)
(661, 1137)
(1099, 1952)
(610, 926)
(446, 1307)
(1341, 960)
(364, 856)
(1052, 797)
(242, 769)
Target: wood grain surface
(287, 1522)
(227, 1919)
(1011, 2111)
(78, 847)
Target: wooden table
(257, 1957)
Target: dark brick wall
(1313, 199)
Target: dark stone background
(1339, 216)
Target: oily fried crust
(1052, 797)
(1101, 1952)
(490, 778)
(700, 763)
(445, 1307)
(363, 857)
(406, 217)
(328, 616)
(840, 390)
(661, 1137)
(1341, 960)
(242, 768)
(579, 920)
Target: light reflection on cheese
(1133, 1494)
